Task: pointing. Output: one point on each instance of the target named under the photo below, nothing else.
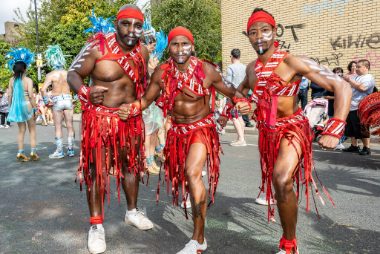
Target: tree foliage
(63, 22)
(5, 74)
(202, 17)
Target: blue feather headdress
(19, 55)
(149, 31)
(150, 36)
(161, 44)
(54, 56)
(100, 25)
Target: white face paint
(268, 36)
(187, 49)
(261, 51)
(184, 53)
(138, 31)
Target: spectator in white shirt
(362, 85)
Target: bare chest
(110, 71)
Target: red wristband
(134, 110)
(84, 94)
(236, 100)
(334, 127)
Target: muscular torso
(287, 105)
(59, 82)
(109, 74)
(189, 107)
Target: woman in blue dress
(21, 100)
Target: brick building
(333, 32)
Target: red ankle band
(288, 245)
(96, 220)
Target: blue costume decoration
(19, 111)
(100, 25)
(160, 38)
(149, 31)
(19, 55)
(161, 44)
(55, 58)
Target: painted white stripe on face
(268, 36)
(187, 49)
(261, 51)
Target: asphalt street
(43, 211)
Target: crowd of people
(137, 109)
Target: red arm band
(236, 100)
(84, 95)
(334, 127)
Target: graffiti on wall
(332, 60)
(282, 30)
(371, 41)
(372, 56)
(335, 6)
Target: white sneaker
(340, 146)
(1, 126)
(204, 173)
(138, 220)
(239, 143)
(6, 126)
(188, 203)
(263, 201)
(57, 155)
(284, 252)
(96, 239)
(193, 247)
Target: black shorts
(354, 129)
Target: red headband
(130, 13)
(180, 30)
(260, 16)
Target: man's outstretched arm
(328, 80)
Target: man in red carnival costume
(186, 85)
(285, 137)
(116, 64)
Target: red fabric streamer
(107, 145)
(130, 13)
(296, 130)
(369, 112)
(179, 139)
(180, 30)
(96, 220)
(289, 246)
(260, 16)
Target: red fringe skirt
(107, 145)
(296, 130)
(369, 112)
(178, 142)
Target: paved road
(43, 211)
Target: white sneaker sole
(132, 224)
(96, 251)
